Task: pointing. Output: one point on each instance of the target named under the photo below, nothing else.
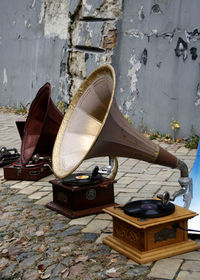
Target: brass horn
(93, 126)
(41, 126)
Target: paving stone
(63, 240)
(30, 189)
(137, 185)
(195, 255)
(31, 274)
(96, 226)
(125, 180)
(38, 195)
(90, 236)
(45, 200)
(82, 220)
(3, 263)
(123, 198)
(166, 268)
(182, 151)
(101, 238)
(188, 275)
(9, 271)
(191, 265)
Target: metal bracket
(186, 187)
(111, 169)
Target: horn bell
(41, 127)
(93, 126)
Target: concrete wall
(157, 63)
(152, 44)
(33, 36)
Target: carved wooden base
(146, 240)
(12, 172)
(79, 201)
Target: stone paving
(38, 243)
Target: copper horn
(93, 126)
(41, 126)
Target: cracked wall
(92, 37)
(153, 46)
(32, 49)
(157, 64)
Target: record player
(147, 231)
(82, 194)
(93, 127)
(38, 135)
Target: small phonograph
(38, 134)
(81, 194)
(93, 126)
(152, 233)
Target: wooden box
(18, 172)
(146, 240)
(78, 201)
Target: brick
(165, 269)
(73, 6)
(87, 34)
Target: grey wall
(32, 46)
(152, 44)
(156, 84)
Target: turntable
(147, 230)
(38, 134)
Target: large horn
(93, 126)
(41, 126)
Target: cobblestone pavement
(38, 243)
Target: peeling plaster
(141, 15)
(197, 102)
(5, 78)
(132, 72)
(87, 6)
(128, 104)
(135, 33)
(33, 4)
(54, 15)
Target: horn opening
(83, 121)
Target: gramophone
(10, 155)
(38, 135)
(93, 126)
